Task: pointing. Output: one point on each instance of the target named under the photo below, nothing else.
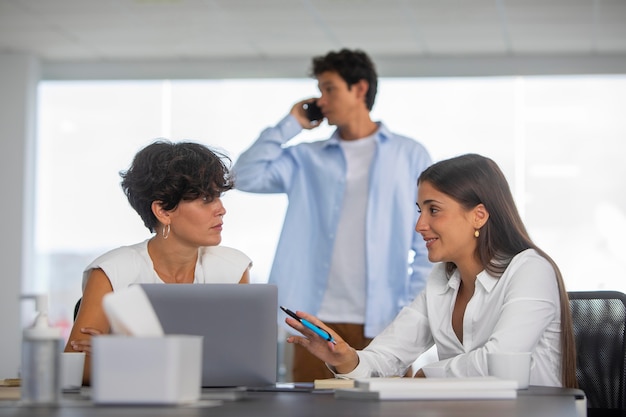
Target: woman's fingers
(90, 331)
(314, 320)
(84, 345)
(81, 345)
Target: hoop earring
(166, 231)
(476, 233)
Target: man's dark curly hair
(170, 172)
(352, 66)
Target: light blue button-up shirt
(313, 177)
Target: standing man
(348, 252)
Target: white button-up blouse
(518, 312)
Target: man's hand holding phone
(313, 111)
(308, 113)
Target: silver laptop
(238, 322)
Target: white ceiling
(246, 37)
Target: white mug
(510, 365)
(72, 364)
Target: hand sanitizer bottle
(41, 353)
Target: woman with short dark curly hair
(176, 189)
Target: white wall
(19, 75)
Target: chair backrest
(599, 320)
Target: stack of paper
(430, 389)
(333, 383)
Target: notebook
(430, 389)
(238, 322)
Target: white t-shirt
(519, 312)
(344, 299)
(128, 265)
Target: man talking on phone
(348, 252)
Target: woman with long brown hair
(491, 290)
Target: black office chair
(599, 320)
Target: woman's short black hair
(170, 172)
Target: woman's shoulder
(530, 270)
(224, 253)
(121, 254)
(223, 264)
(126, 259)
(529, 257)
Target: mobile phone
(313, 111)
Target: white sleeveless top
(129, 265)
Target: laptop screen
(237, 321)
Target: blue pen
(319, 331)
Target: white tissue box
(146, 370)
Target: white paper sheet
(130, 313)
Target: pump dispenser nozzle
(41, 327)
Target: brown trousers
(307, 368)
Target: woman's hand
(84, 345)
(341, 355)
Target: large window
(559, 140)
